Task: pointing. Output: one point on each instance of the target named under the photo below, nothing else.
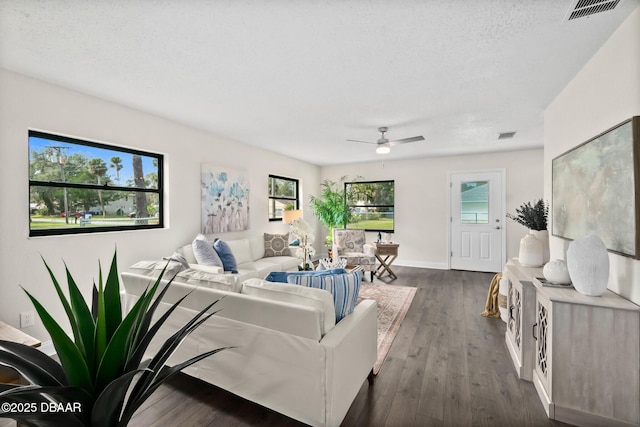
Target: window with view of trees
(372, 205)
(283, 195)
(78, 186)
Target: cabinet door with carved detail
(542, 334)
(514, 322)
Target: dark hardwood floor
(448, 366)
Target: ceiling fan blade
(364, 142)
(405, 140)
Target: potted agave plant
(101, 379)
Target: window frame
(88, 186)
(393, 206)
(272, 198)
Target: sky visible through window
(123, 177)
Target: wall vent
(506, 135)
(583, 8)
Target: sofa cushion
(241, 250)
(257, 247)
(200, 277)
(211, 269)
(262, 267)
(276, 245)
(187, 252)
(316, 298)
(344, 288)
(226, 255)
(154, 268)
(285, 263)
(204, 252)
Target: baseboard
(579, 418)
(48, 348)
(422, 264)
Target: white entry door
(477, 213)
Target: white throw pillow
(204, 252)
(284, 292)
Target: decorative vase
(588, 265)
(556, 272)
(543, 236)
(530, 254)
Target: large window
(79, 186)
(372, 205)
(283, 194)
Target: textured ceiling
(299, 77)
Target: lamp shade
(289, 216)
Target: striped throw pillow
(343, 287)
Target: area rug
(393, 304)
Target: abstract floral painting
(594, 190)
(225, 199)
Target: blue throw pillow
(226, 256)
(282, 276)
(343, 287)
(277, 276)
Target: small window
(78, 186)
(372, 205)
(283, 195)
(474, 202)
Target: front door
(477, 214)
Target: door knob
(498, 228)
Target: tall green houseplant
(331, 206)
(101, 379)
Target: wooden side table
(390, 252)
(9, 333)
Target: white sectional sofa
(250, 256)
(288, 353)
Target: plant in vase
(331, 207)
(301, 230)
(101, 374)
(534, 247)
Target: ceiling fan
(384, 145)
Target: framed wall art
(225, 199)
(595, 189)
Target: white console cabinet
(586, 351)
(521, 296)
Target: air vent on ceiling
(582, 8)
(506, 135)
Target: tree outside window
(78, 186)
(372, 205)
(283, 195)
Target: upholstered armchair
(352, 245)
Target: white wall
(604, 93)
(421, 198)
(26, 103)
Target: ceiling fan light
(383, 150)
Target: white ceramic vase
(556, 272)
(588, 265)
(543, 236)
(530, 254)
